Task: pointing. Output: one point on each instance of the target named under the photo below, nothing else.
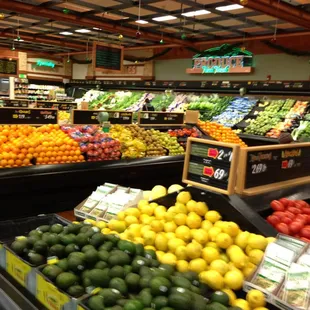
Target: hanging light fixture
(2, 16)
(138, 33)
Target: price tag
(27, 116)
(211, 165)
(268, 168)
(16, 103)
(120, 117)
(160, 119)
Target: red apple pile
(95, 145)
(291, 217)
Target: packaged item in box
(295, 290)
(273, 268)
(106, 188)
(294, 244)
(304, 260)
(91, 202)
(135, 196)
(116, 203)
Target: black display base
(55, 188)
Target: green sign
(45, 63)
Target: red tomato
(283, 228)
(290, 214)
(297, 236)
(279, 214)
(284, 201)
(273, 220)
(305, 239)
(301, 204)
(305, 232)
(302, 217)
(305, 210)
(294, 210)
(291, 203)
(296, 226)
(277, 205)
(286, 220)
(308, 219)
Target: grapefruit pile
(23, 145)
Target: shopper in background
(147, 105)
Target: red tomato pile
(291, 217)
(184, 132)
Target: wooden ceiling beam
(24, 8)
(280, 10)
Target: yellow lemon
(145, 228)
(147, 210)
(143, 217)
(169, 258)
(256, 256)
(158, 191)
(132, 211)
(201, 208)
(159, 254)
(223, 240)
(220, 224)
(184, 197)
(233, 267)
(248, 249)
(160, 209)
(157, 226)
(201, 236)
(213, 216)
(191, 205)
(170, 235)
(231, 228)
(105, 231)
(212, 278)
(170, 227)
(193, 221)
(139, 240)
(233, 280)
(120, 226)
(220, 266)
(257, 242)
(130, 219)
(241, 303)
(90, 222)
(213, 232)
(149, 237)
(160, 215)
(181, 253)
(210, 254)
(193, 250)
(224, 257)
(241, 239)
(182, 266)
(206, 225)
(161, 243)
(248, 269)
(183, 232)
(121, 215)
(154, 205)
(271, 239)
(260, 308)
(169, 216)
(113, 232)
(172, 210)
(212, 245)
(136, 228)
(142, 203)
(197, 265)
(232, 296)
(181, 208)
(174, 243)
(180, 219)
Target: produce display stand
(45, 189)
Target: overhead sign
(268, 168)
(45, 63)
(160, 119)
(27, 116)
(108, 57)
(8, 66)
(211, 165)
(86, 117)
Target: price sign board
(267, 168)
(16, 103)
(211, 165)
(27, 116)
(8, 66)
(85, 117)
(160, 119)
(62, 106)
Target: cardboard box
(191, 117)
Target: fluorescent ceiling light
(82, 30)
(164, 18)
(95, 28)
(142, 22)
(229, 7)
(196, 13)
(19, 40)
(66, 33)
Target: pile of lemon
(192, 237)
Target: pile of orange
(20, 145)
(220, 133)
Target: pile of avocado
(129, 276)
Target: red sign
(209, 171)
(213, 153)
(284, 164)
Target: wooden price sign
(268, 168)
(27, 116)
(160, 119)
(211, 165)
(85, 117)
